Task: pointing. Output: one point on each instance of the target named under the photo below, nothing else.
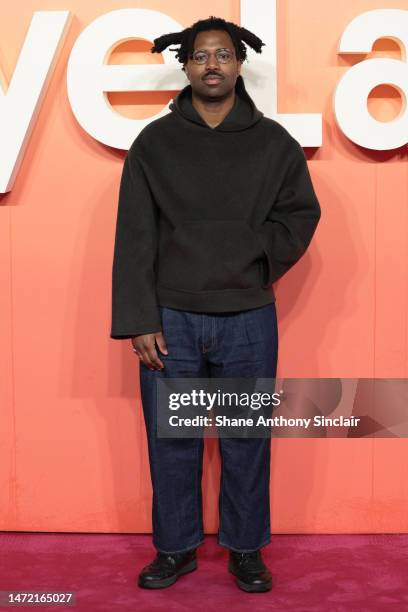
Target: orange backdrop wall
(73, 453)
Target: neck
(213, 111)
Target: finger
(146, 360)
(161, 343)
(154, 358)
(136, 347)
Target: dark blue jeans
(223, 345)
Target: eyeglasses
(224, 56)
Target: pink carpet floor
(332, 573)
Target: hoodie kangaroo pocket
(210, 256)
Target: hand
(146, 349)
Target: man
(215, 204)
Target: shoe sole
(162, 584)
(252, 588)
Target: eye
(224, 57)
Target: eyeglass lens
(223, 56)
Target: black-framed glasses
(224, 56)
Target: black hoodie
(208, 218)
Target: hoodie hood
(242, 115)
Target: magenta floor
(332, 573)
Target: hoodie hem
(229, 300)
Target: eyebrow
(220, 49)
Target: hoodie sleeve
(134, 306)
(291, 221)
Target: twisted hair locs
(185, 39)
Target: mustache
(212, 74)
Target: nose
(212, 61)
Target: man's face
(198, 74)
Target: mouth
(213, 80)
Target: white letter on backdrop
(350, 99)
(260, 75)
(20, 101)
(89, 77)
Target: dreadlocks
(186, 38)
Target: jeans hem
(181, 550)
(246, 550)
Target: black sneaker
(250, 571)
(166, 568)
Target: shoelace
(163, 559)
(251, 561)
